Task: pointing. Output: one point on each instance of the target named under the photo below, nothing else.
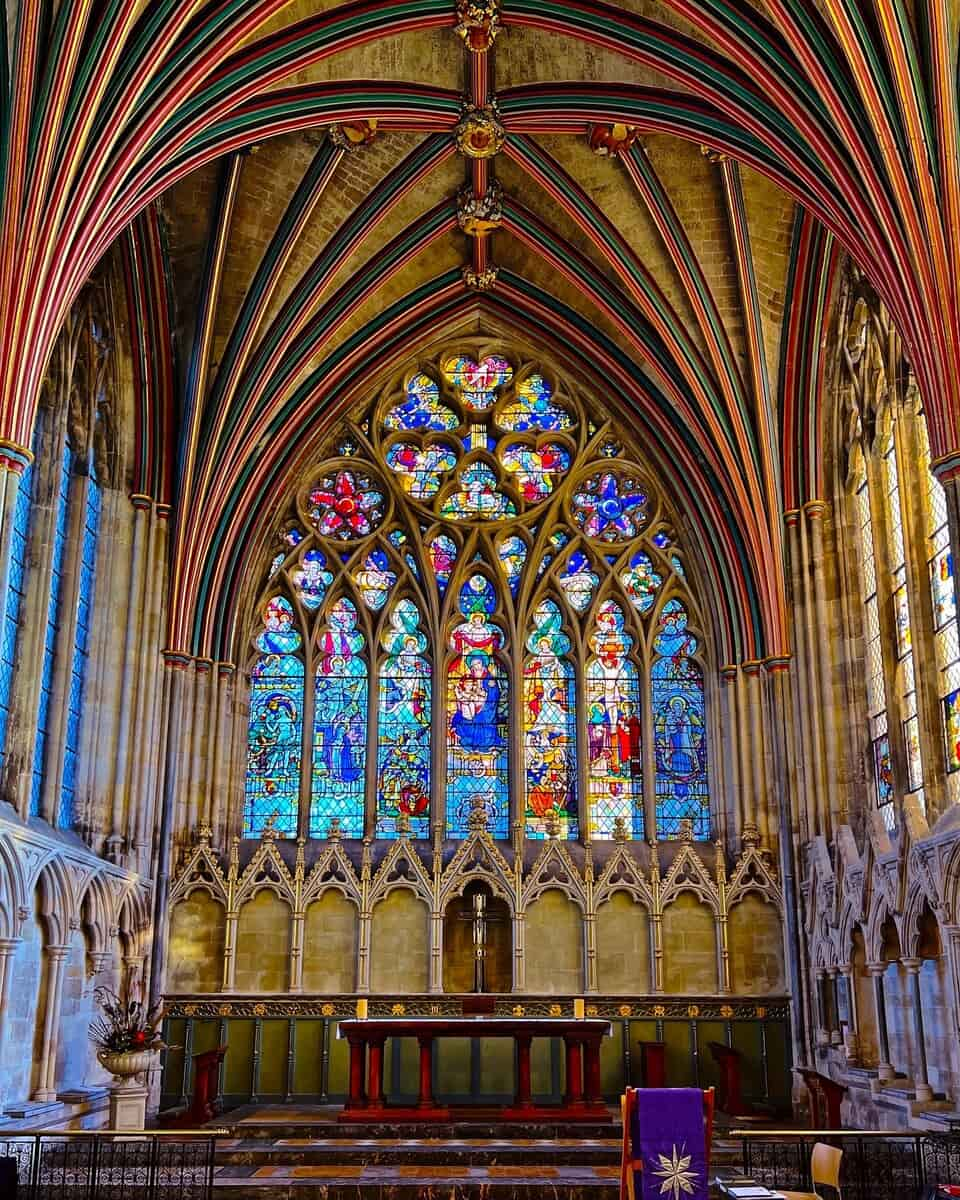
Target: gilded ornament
(621, 833)
(478, 23)
(479, 133)
(760, 1011)
(189, 1010)
(518, 1010)
(354, 135)
(556, 1010)
(610, 140)
(592, 1010)
(480, 281)
(398, 1010)
(659, 1010)
(726, 1010)
(693, 1010)
(480, 215)
(712, 155)
(259, 1010)
(327, 1010)
(225, 1010)
(625, 1010)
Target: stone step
(471, 1151)
(473, 1128)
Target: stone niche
(330, 945)
(755, 941)
(399, 943)
(263, 944)
(689, 947)
(623, 946)
(553, 945)
(196, 942)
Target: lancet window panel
(14, 596)
(457, 625)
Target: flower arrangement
(125, 1024)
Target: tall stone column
(921, 1084)
(14, 460)
(814, 511)
(46, 1074)
(852, 1042)
(885, 1071)
(8, 947)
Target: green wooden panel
(778, 1065)
(707, 1032)
(452, 1078)
(237, 1065)
(306, 1064)
(174, 1035)
(401, 1075)
(547, 1068)
(746, 1039)
(676, 1035)
(496, 1068)
(338, 1069)
(611, 1062)
(640, 1031)
(273, 1058)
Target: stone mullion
(851, 604)
(516, 765)
(648, 753)
(306, 744)
(372, 755)
(583, 744)
(25, 688)
(64, 647)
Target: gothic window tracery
(489, 597)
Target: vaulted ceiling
(668, 190)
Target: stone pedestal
(128, 1105)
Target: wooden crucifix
(481, 917)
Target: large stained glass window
(78, 669)
(477, 715)
(52, 626)
(14, 597)
(679, 727)
(403, 725)
(614, 740)
(550, 728)
(275, 731)
(339, 725)
(473, 576)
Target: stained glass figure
(420, 469)
(311, 579)
(677, 566)
(557, 540)
(883, 768)
(479, 496)
(443, 556)
(679, 728)
(901, 616)
(346, 505)
(477, 383)
(537, 469)
(375, 579)
(951, 729)
(549, 728)
(579, 581)
(293, 536)
(399, 540)
(533, 408)
(339, 725)
(422, 409)
(512, 552)
(942, 589)
(477, 716)
(609, 507)
(403, 731)
(640, 581)
(614, 731)
(275, 727)
(276, 564)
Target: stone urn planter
(128, 1096)
(126, 1064)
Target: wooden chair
(824, 1169)
(629, 1164)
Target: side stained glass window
(550, 728)
(403, 725)
(88, 563)
(14, 599)
(614, 740)
(466, 595)
(679, 728)
(50, 635)
(339, 726)
(477, 715)
(275, 730)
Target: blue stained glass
(640, 581)
(420, 469)
(549, 728)
(579, 581)
(477, 382)
(274, 746)
(477, 711)
(375, 579)
(14, 598)
(512, 552)
(557, 540)
(479, 496)
(279, 635)
(679, 724)
(88, 565)
(311, 579)
(537, 469)
(339, 726)
(422, 409)
(403, 731)
(614, 731)
(443, 555)
(534, 408)
(661, 539)
(609, 507)
(398, 539)
(50, 636)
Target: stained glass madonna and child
(477, 604)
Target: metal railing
(108, 1164)
(876, 1164)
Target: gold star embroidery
(676, 1174)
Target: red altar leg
(574, 1096)
(594, 1098)
(426, 1072)
(375, 1075)
(356, 1098)
(523, 1072)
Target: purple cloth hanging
(669, 1139)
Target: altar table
(582, 1100)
